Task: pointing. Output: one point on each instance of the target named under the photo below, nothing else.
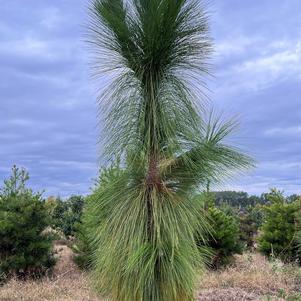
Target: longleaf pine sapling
(152, 55)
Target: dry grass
(66, 289)
(67, 284)
(251, 278)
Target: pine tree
(278, 232)
(85, 233)
(249, 221)
(24, 250)
(222, 240)
(153, 56)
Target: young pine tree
(84, 244)
(154, 56)
(65, 214)
(24, 250)
(280, 227)
(223, 239)
(248, 223)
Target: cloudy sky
(47, 100)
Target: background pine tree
(25, 250)
(223, 238)
(280, 227)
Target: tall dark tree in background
(153, 55)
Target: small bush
(223, 239)
(82, 248)
(25, 248)
(248, 224)
(86, 229)
(278, 232)
(65, 214)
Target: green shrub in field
(224, 241)
(249, 221)
(25, 248)
(223, 238)
(278, 232)
(82, 248)
(85, 230)
(65, 214)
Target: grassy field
(250, 277)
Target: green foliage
(82, 248)
(223, 240)
(249, 222)
(84, 243)
(298, 228)
(295, 297)
(66, 215)
(278, 232)
(233, 198)
(144, 223)
(238, 199)
(293, 198)
(125, 249)
(25, 249)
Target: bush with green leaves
(84, 243)
(65, 214)
(224, 233)
(278, 232)
(250, 220)
(82, 248)
(25, 246)
(225, 241)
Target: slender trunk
(151, 138)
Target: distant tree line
(243, 200)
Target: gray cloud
(48, 108)
(258, 76)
